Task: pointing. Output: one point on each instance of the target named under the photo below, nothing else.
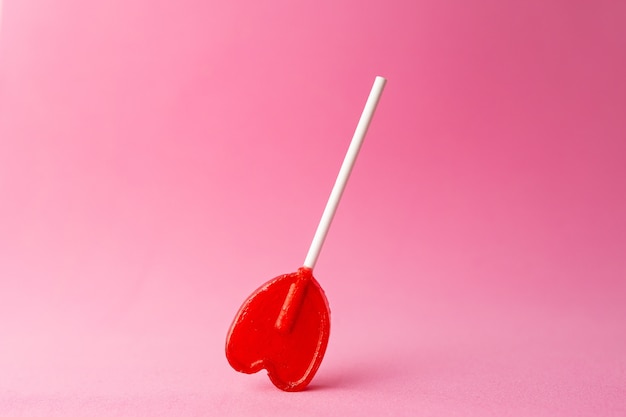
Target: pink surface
(161, 160)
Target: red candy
(282, 327)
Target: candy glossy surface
(282, 327)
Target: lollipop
(284, 325)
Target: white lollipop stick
(344, 172)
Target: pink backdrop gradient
(160, 160)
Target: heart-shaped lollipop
(285, 324)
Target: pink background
(159, 160)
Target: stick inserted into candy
(285, 324)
